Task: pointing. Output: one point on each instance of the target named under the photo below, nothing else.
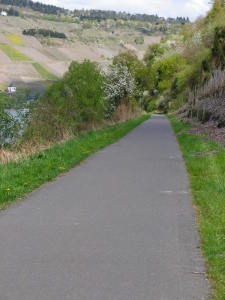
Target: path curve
(118, 227)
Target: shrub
(153, 51)
(84, 82)
(151, 106)
(219, 47)
(135, 66)
(11, 125)
(139, 40)
(215, 12)
(167, 68)
(119, 87)
(69, 105)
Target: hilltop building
(4, 13)
(12, 88)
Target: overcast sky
(164, 8)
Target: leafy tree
(119, 87)
(84, 82)
(219, 47)
(216, 11)
(135, 66)
(69, 105)
(153, 51)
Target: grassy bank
(12, 53)
(45, 74)
(205, 162)
(19, 178)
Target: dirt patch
(107, 53)
(58, 68)
(34, 54)
(31, 42)
(18, 71)
(80, 52)
(149, 40)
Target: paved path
(118, 227)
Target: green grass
(19, 178)
(45, 74)
(15, 39)
(3, 86)
(12, 53)
(205, 162)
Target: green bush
(215, 12)
(167, 68)
(10, 126)
(153, 51)
(135, 66)
(45, 33)
(151, 106)
(139, 40)
(219, 47)
(119, 88)
(69, 105)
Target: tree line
(92, 14)
(37, 6)
(45, 33)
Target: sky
(163, 8)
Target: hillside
(30, 59)
(187, 70)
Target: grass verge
(12, 53)
(45, 74)
(19, 178)
(205, 162)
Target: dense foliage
(69, 105)
(218, 50)
(45, 33)
(94, 14)
(119, 87)
(182, 63)
(84, 98)
(10, 128)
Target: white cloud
(167, 8)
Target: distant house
(11, 88)
(4, 13)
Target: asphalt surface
(118, 227)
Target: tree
(119, 87)
(135, 66)
(216, 11)
(84, 82)
(153, 51)
(69, 105)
